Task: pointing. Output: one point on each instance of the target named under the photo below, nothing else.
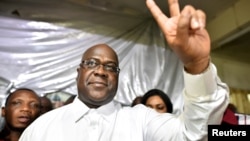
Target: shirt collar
(107, 111)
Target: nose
(25, 107)
(99, 70)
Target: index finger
(156, 11)
(174, 7)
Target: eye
(34, 105)
(110, 67)
(15, 103)
(91, 63)
(160, 107)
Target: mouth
(24, 119)
(98, 84)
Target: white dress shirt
(205, 97)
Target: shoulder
(47, 123)
(139, 111)
(136, 108)
(53, 116)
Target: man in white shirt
(94, 116)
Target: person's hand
(185, 33)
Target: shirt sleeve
(205, 100)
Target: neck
(10, 135)
(92, 106)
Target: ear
(3, 112)
(77, 77)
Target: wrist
(197, 67)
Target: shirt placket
(95, 127)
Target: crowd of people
(94, 115)
(21, 108)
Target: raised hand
(185, 33)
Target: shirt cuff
(201, 84)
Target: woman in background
(157, 100)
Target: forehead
(101, 52)
(155, 98)
(23, 94)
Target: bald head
(99, 48)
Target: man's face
(23, 108)
(97, 79)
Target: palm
(191, 47)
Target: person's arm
(205, 100)
(205, 96)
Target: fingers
(174, 7)
(155, 10)
(190, 20)
(198, 20)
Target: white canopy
(42, 43)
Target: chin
(101, 101)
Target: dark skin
(46, 105)
(97, 87)
(21, 109)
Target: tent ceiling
(138, 7)
(236, 50)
